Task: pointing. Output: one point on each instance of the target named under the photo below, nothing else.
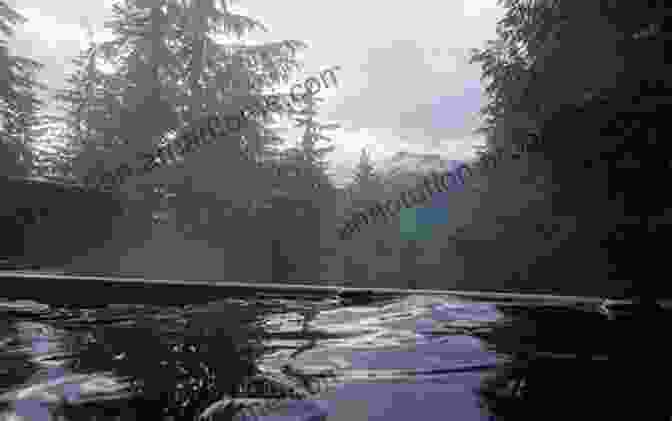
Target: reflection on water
(270, 356)
(574, 365)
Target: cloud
(49, 30)
(476, 8)
(407, 88)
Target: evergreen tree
(313, 133)
(365, 173)
(366, 187)
(20, 108)
(307, 155)
(310, 191)
(83, 111)
(8, 19)
(613, 106)
(170, 71)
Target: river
(306, 358)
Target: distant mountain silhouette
(415, 163)
(407, 170)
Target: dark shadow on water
(179, 365)
(576, 365)
(176, 368)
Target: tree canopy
(592, 78)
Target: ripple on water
(97, 355)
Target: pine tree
(366, 187)
(365, 173)
(20, 108)
(83, 112)
(170, 71)
(307, 155)
(313, 133)
(613, 107)
(310, 191)
(8, 19)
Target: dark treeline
(169, 72)
(592, 77)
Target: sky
(405, 83)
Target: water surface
(391, 358)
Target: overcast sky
(404, 84)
